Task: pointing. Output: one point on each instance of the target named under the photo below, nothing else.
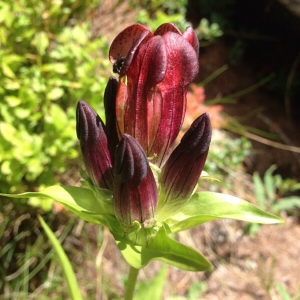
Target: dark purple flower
(144, 111)
(134, 190)
(110, 114)
(184, 166)
(94, 146)
(154, 77)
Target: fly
(117, 66)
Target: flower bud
(110, 114)
(184, 166)
(134, 190)
(94, 146)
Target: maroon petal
(94, 146)
(145, 72)
(141, 39)
(183, 60)
(182, 68)
(192, 38)
(134, 192)
(110, 96)
(184, 166)
(167, 27)
(124, 41)
(151, 102)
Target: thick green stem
(133, 273)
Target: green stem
(133, 273)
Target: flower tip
(190, 35)
(199, 133)
(87, 122)
(81, 122)
(205, 119)
(131, 161)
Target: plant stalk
(133, 273)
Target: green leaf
(81, 201)
(165, 249)
(22, 113)
(269, 181)
(152, 289)
(60, 68)
(283, 292)
(68, 271)
(207, 206)
(7, 131)
(7, 71)
(259, 191)
(41, 42)
(55, 93)
(286, 203)
(59, 117)
(12, 101)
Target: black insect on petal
(117, 66)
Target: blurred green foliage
(208, 31)
(271, 192)
(47, 63)
(276, 194)
(227, 152)
(155, 13)
(169, 7)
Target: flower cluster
(133, 154)
(141, 185)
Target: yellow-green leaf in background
(41, 42)
(68, 271)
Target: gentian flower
(140, 185)
(144, 112)
(154, 77)
(131, 156)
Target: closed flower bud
(134, 190)
(184, 166)
(94, 146)
(110, 114)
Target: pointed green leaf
(41, 42)
(270, 184)
(81, 201)
(207, 206)
(7, 71)
(259, 191)
(165, 249)
(68, 271)
(286, 203)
